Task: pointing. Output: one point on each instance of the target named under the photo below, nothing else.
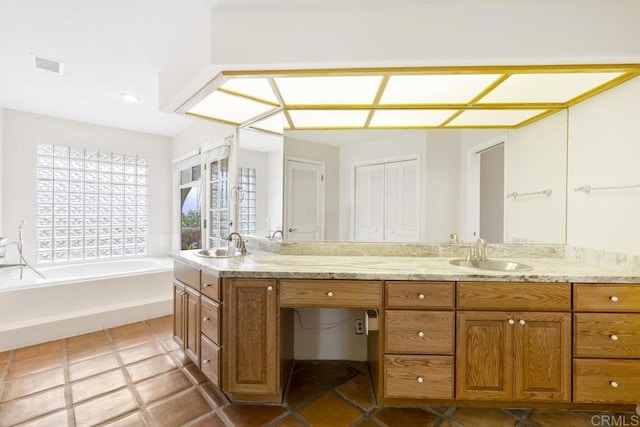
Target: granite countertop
(269, 265)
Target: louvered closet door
(402, 201)
(369, 206)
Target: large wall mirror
(420, 185)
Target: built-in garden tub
(80, 298)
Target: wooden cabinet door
(178, 313)
(250, 337)
(484, 357)
(543, 356)
(192, 332)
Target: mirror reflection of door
(304, 201)
(492, 194)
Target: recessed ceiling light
(130, 98)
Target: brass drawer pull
(614, 337)
(613, 384)
(614, 298)
(329, 294)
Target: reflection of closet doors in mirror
(447, 195)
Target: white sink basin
(490, 264)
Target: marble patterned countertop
(269, 265)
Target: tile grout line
(5, 374)
(68, 398)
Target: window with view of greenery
(190, 208)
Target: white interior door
(304, 200)
(402, 201)
(369, 203)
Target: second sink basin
(490, 264)
(219, 253)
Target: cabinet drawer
(606, 297)
(514, 296)
(606, 381)
(210, 364)
(418, 377)
(437, 295)
(210, 311)
(607, 335)
(187, 274)
(211, 286)
(330, 293)
(416, 332)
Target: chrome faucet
(478, 252)
(239, 243)
(275, 233)
(22, 262)
(453, 238)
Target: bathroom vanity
(564, 335)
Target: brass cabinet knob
(421, 334)
(205, 361)
(511, 321)
(205, 319)
(420, 379)
(522, 322)
(613, 384)
(269, 288)
(613, 337)
(421, 296)
(614, 298)
(329, 294)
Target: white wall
(200, 134)
(1, 170)
(604, 150)
(276, 188)
(535, 159)
(330, 155)
(492, 194)
(402, 144)
(259, 161)
(442, 185)
(23, 131)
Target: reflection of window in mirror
(247, 202)
(190, 208)
(219, 203)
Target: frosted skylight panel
(229, 108)
(344, 90)
(258, 88)
(482, 118)
(546, 87)
(273, 124)
(328, 118)
(435, 89)
(409, 118)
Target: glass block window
(90, 204)
(247, 206)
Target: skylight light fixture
(230, 108)
(493, 118)
(329, 90)
(336, 119)
(130, 98)
(257, 88)
(409, 118)
(273, 124)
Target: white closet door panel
(369, 219)
(410, 201)
(393, 202)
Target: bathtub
(80, 298)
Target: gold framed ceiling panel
(370, 89)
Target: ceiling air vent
(47, 64)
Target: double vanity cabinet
(517, 343)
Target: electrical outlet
(359, 326)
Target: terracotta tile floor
(135, 375)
